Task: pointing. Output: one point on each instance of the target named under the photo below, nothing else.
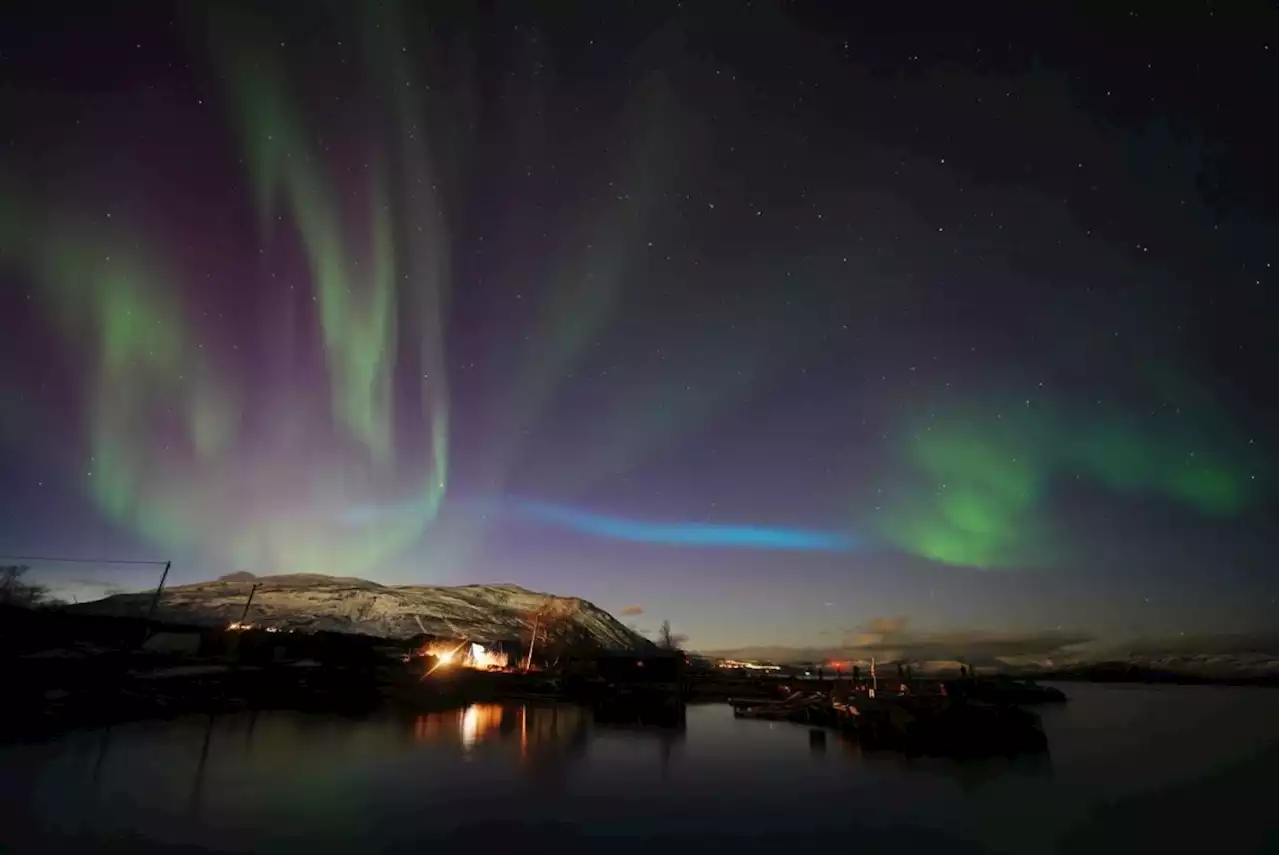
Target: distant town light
(746, 666)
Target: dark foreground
(1131, 769)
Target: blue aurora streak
(683, 533)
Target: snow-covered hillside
(313, 602)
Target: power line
(63, 560)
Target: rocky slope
(311, 602)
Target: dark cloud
(886, 625)
(875, 632)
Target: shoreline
(219, 688)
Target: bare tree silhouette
(550, 631)
(668, 640)
(16, 592)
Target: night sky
(769, 319)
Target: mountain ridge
(484, 613)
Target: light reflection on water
(543, 774)
(531, 727)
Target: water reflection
(531, 727)
(545, 740)
(969, 774)
(200, 766)
(479, 720)
(665, 727)
(390, 782)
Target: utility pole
(533, 638)
(155, 598)
(244, 614)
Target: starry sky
(767, 319)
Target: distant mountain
(1177, 672)
(1244, 667)
(1218, 658)
(312, 602)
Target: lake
(1131, 769)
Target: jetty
(956, 723)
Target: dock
(944, 724)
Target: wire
(62, 560)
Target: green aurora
(166, 418)
(976, 482)
(173, 450)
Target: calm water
(1132, 769)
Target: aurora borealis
(774, 324)
(684, 534)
